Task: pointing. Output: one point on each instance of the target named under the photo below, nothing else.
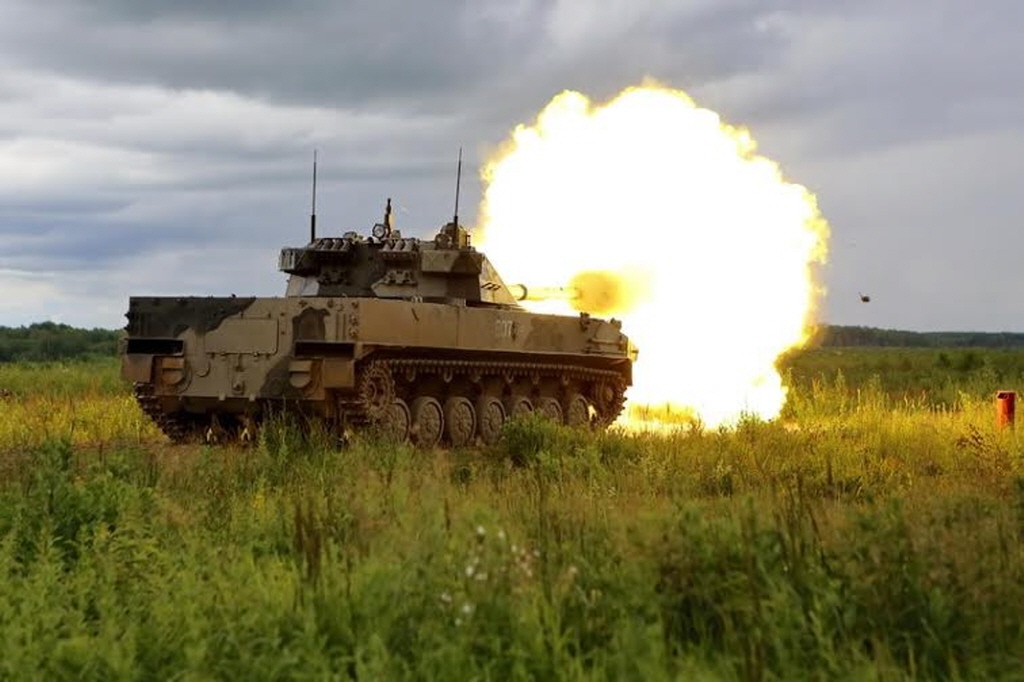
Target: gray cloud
(141, 137)
(891, 74)
(351, 53)
(421, 57)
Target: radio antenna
(458, 182)
(312, 213)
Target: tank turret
(384, 264)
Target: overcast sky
(158, 147)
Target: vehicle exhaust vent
(156, 346)
(328, 349)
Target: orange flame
(660, 214)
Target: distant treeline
(835, 335)
(49, 341)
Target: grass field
(874, 531)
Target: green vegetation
(48, 341)
(835, 335)
(875, 531)
(932, 377)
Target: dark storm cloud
(140, 137)
(878, 66)
(425, 56)
(319, 52)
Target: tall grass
(864, 535)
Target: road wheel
(427, 422)
(518, 406)
(490, 417)
(248, 433)
(397, 421)
(577, 411)
(550, 408)
(459, 420)
(216, 433)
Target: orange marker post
(1005, 407)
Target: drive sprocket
(609, 400)
(376, 391)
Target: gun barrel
(521, 292)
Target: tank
(419, 339)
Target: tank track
(356, 412)
(176, 427)
(510, 371)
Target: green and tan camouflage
(420, 338)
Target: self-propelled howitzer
(418, 338)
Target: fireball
(661, 215)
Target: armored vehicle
(418, 338)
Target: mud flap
(137, 367)
(339, 372)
